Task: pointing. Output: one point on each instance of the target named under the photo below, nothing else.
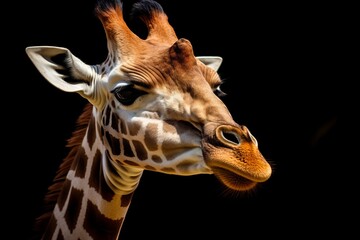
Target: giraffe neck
(91, 204)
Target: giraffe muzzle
(233, 155)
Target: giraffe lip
(233, 180)
(256, 172)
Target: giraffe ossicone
(153, 106)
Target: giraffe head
(156, 105)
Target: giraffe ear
(213, 62)
(61, 68)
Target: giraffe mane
(54, 189)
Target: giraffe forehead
(173, 66)
(163, 79)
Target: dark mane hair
(54, 190)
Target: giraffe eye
(127, 94)
(219, 92)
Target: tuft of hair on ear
(144, 9)
(106, 5)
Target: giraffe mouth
(233, 180)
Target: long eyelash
(219, 93)
(122, 87)
(218, 90)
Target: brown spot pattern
(98, 225)
(64, 194)
(141, 152)
(156, 158)
(126, 199)
(73, 209)
(60, 236)
(131, 163)
(151, 133)
(81, 162)
(169, 128)
(134, 129)
(107, 116)
(127, 148)
(91, 132)
(184, 164)
(123, 127)
(115, 122)
(101, 133)
(170, 155)
(168, 170)
(114, 143)
(148, 167)
(97, 180)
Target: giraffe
(152, 105)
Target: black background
(281, 78)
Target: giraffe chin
(233, 180)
